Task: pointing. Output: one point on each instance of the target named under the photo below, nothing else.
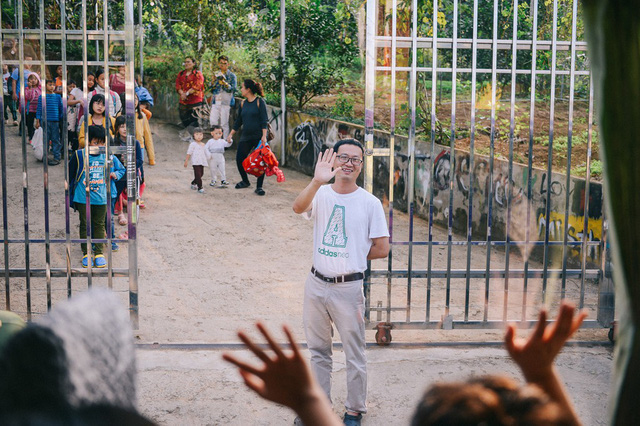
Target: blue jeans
(53, 135)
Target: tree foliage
(320, 41)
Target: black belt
(341, 279)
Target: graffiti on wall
(476, 183)
(575, 232)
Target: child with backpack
(97, 190)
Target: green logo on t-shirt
(335, 235)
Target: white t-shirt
(76, 92)
(344, 225)
(217, 146)
(199, 155)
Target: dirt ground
(211, 263)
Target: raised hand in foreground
(285, 379)
(535, 355)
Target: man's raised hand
(324, 167)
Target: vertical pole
(411, 145)
(512, 129)
(370, 86)
(532, 108)
(5, 221)
(572, 79)
(392, 142)
(109, 105)
(85, 157)
(552, 108)
(472, 135)
(494, 81)
(65, 145)
(141, 42)
(434, 78)
(25, 180)
(283, 93)
(44, 124)
(131, 171)
(452, 151)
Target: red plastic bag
(261, 161)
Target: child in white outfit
(199, 157)
(216, 147)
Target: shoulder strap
(80, 166)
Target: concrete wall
(472, 184)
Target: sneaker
(201, 190)
(114, 246)
(85, 261)
(15, 122)
(101, 262)
(53, 161)
(260, 191)
(298, 422)
(350, 420)
(242, 184)
(194, 186)
(224, 182)
(213, 183)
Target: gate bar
(65, 145)
(44, 125)
(552, 109)
(3, 161)
(481, 273)
(452, 143)
(25, 179)
(132, 202)
(574, 18)
(472, 134)
(494, 59)
(532, 107)
(392, 129)
(512, 114)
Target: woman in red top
(190, 87)
(117, 81)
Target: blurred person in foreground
(285, 378)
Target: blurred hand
(284, 378)
(535, 355)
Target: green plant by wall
(343, 107)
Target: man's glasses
(344, 159)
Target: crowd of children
(46, 110)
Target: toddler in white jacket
(216, 147)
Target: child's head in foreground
(489, 400)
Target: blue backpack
(144, 95)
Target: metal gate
(41, 251)
(487, 163)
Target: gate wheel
(383, 333)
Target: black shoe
(53, 162)
(243, 184)
(350, 420)
(259, 191)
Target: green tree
(320, 41)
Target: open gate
(489, 158)
(41, 251)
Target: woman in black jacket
(252, 117)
